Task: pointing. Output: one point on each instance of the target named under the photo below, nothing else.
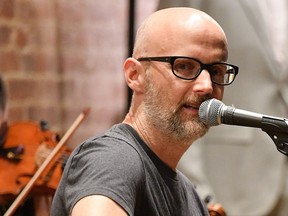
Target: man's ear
(134, 74)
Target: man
(131, 169)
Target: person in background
(3, 113)
(240, 167)
(179, 60)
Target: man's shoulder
(117, 137)
(117, 145)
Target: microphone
(213, 112)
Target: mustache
(195, 100)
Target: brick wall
(58, 57)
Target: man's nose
(203, 83)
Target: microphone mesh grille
(209, 111)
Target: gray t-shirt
(119, 165)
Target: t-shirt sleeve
(113, 169)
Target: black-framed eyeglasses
(188, 68)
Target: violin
(39, 177)
(25, 146)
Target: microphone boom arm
(213, 112)
(277, 129)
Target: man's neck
(164, 146)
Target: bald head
(167, 31)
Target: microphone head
(210, 112)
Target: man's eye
(214, 72)
(185, 66)
(218, 70)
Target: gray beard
(169, 121)
(172, 125)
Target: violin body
(17, 168)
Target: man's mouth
(190, 106)
(191, 109)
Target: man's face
(171, 103)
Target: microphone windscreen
(209, 112)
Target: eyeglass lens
(220, 73)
